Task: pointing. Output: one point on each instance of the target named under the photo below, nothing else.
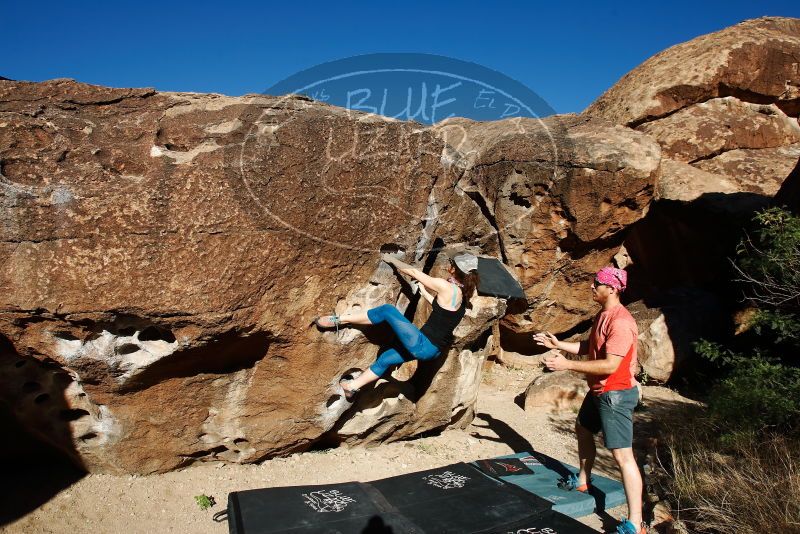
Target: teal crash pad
(605, 492)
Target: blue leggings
(413, 341)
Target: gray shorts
(611, 412)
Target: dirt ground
(165, 503)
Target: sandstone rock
(724, 109)
(755, 171)
(667, 330)
(711, 128)
(169, 270)
(752, 60)
(517, 360)
(689, 233)
(559, 193)
(622, 259)
(561, 391)
(164, 254)
(684, 182)
(732, 146)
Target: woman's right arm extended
(430, 282)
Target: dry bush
(754, 486)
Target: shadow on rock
(34, 474)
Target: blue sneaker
(626, 527)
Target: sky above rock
(567, 53)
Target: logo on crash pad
(327, 501)
(510, 468)
(530, 460)
(446, 480)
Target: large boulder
(559, 192)
(163, 256)
(725, 146)
(755, 60)
(724, 109)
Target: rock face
(559, 192)
(739, 147)
(556, 392)
(724, 109)
(701, 131)
(668, 328)
(163, 255)
(755, 61)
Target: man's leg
(632, 480)
(616, 415)
(586, 453)
(586, 426)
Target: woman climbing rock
(426, 343)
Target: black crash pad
(496, 281)
(454, 499)
(458, 498)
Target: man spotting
(609, 367)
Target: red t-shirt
(614, 332)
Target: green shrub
(759, 388)
(758, 392)
(777, 326)
(735, 468)
(768, 264)
(760, 395)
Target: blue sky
(567, 53)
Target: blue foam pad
(605, 492)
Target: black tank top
(441, 323)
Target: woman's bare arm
(430, 282)
(424, 292)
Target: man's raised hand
(546, 339)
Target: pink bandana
(611, 276)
